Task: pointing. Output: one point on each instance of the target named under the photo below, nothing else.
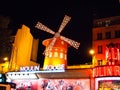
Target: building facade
(106, 40)
(24, 52)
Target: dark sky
(51, 13)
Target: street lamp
(5, 58)
(92, 52)
(4, 64)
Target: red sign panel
(106, 71)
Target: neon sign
(29, 68)
(112, 53)
(106, 71)
(57, 67)
(97, 80)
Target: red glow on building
(112, 54)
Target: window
(99, 62)
(99, 49)
(108, 35)
(99, 36)
(61, 55)
(50, 54)
(55, 54)
(99, 23)
(107, 23)
(117, 34)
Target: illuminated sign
(106, 71)
(112, 53)
(109, 83)
(53, 84)
(29, 68)
(57, 67)
(26, 84)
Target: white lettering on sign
(25, 84)
(57, 67)
(29, 68)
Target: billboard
(53, 84)
(107, 83)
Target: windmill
(57, 37)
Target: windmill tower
(56, 47)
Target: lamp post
(2, 69)
(92, 52)
(4, 64)
(5, 58)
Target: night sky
(51, 14)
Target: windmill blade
(64, 23)
(71, 42)
(44, 28)
(50, 46)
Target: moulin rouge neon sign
(112, 56)
(112, 53)
(29, 68)
(112, 70)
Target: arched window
(55, 54)
(61, 55)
